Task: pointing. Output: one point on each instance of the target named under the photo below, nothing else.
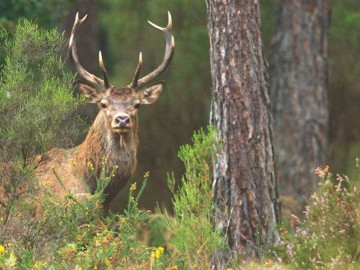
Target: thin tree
(245, 189)
(299, 85)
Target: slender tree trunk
(245, 187)
(299, 95)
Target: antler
(91, 79)
(169, 52)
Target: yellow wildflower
(2, 250)
(133, 187)
(156, 252)
(122, 220)
(269, 264)
(73, 162)
(36, 265)
(104, 160)
(147, 174)
(90, 166)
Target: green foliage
(194, 238)
(35, 107)
(108, 243)
(46, 12)
(36, 100)
(329, 237)
(74, 233)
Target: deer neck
(106, 153)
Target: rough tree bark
(299, 83)
(245, 190)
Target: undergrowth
(194, 238)
(75, 235)
(329, 235)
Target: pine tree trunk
(245, 187)
(299, 95)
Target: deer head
(120, 104)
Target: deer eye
(137, 105)
(103, 104)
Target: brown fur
(74, 170)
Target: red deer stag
(113, 135)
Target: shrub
(36, 97)
(194, 239)
(329, 236)
(36, 102)
(75, 235)
(110, 242)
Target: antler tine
(94, 81)
(134, 82)
(103, 69)
(169, 52)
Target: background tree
(244, 177)
(299, 95)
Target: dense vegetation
(72, 235)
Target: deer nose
(122, 120)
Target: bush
(194, 239)
(329, 236)
(36, 97)
(75, 235)
(36, 102)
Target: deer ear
(90, 93)
(151, 94)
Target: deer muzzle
(121, 122)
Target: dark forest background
(120, 30)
